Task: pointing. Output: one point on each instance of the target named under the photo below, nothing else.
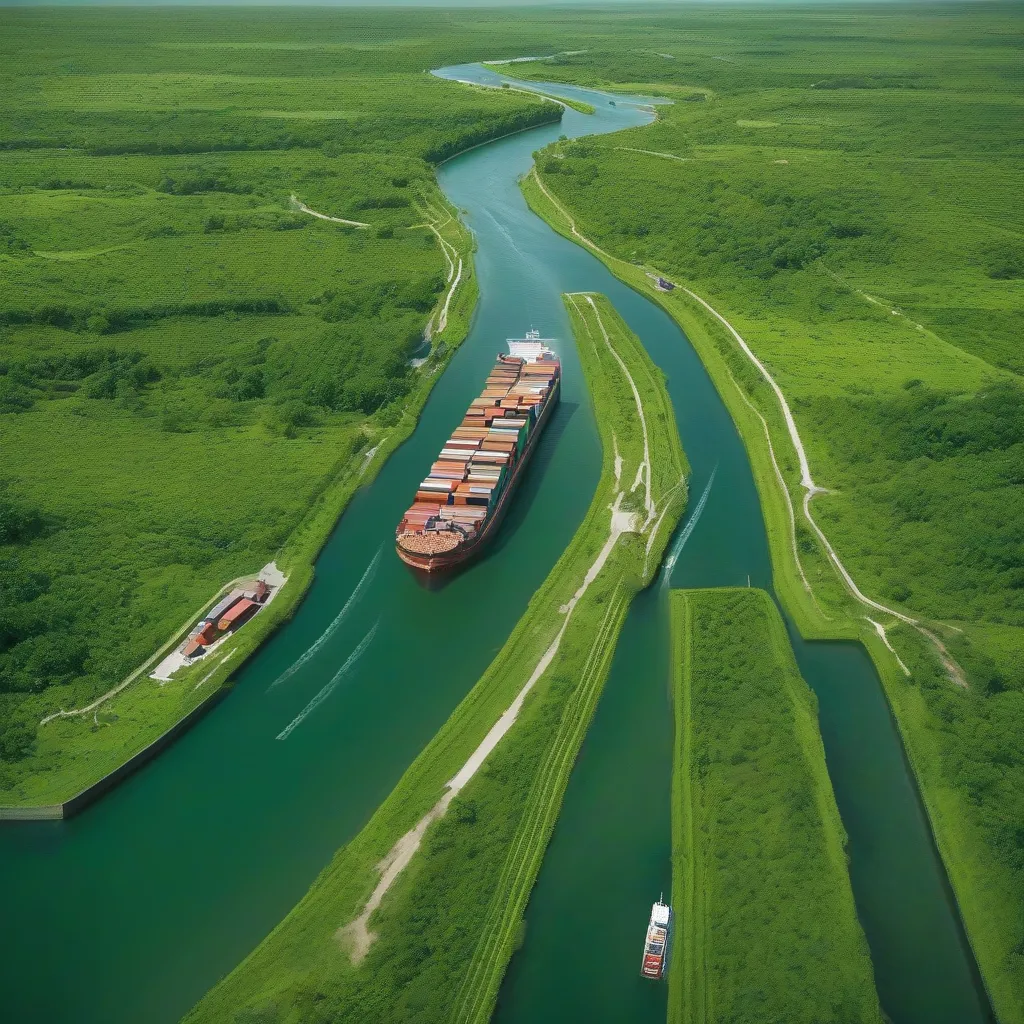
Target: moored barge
(459, 506)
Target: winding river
(131, 911)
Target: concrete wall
(49, 812)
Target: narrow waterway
(610, 855)
(131, 911)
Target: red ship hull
(449, 560)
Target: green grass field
(447, 927)
(766, 927)
(190, 365)
(191, 369)
(842, 187)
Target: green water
(131, 911)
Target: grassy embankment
(447, 927)
(847, 203)
(577, 105)
(193, 372)
(765, 923)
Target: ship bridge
(533, 348)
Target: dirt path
(874, 301)
(653, 152)
(880, 630)
(811, 489)
(442, 318)
(454, 272)
(356, 935)
(644, 469)
(273, 577)
(302, 207)
(643, 472)
(368, 457)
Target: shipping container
(237, 614)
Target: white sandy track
(806, 480)
(880, 630)
(805, 470)
(298, 205)
(442, 319)
(654, 152)
(643, 471)
(811, 489)
(782, 484)
(368, 457)
(453, 275)
(356, 935)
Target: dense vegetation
(188, 362)
(766, 927)
(447, 927)
(844, 191)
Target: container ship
(460, 505)
(656, 943)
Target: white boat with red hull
(659, 932)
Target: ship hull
(449, 560)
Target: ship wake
(330, 687)
(684, 536)
(333, 627)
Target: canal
(133, 910)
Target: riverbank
(764, 910)
(825, 606)
(90, 752)
(578, 105)
(486, 842)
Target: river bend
(131, 911)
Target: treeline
(759, 227)
(101, 319)
(197, 182)
(982, 756)
(35, 646)
(158, 133)
(475, 132)
(945, 473)
(356, 363)
(102, 372)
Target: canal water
(131, 911)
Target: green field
(437, 955)
(190, 365)
(766, 927)
(193, 370)
(841, 186)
